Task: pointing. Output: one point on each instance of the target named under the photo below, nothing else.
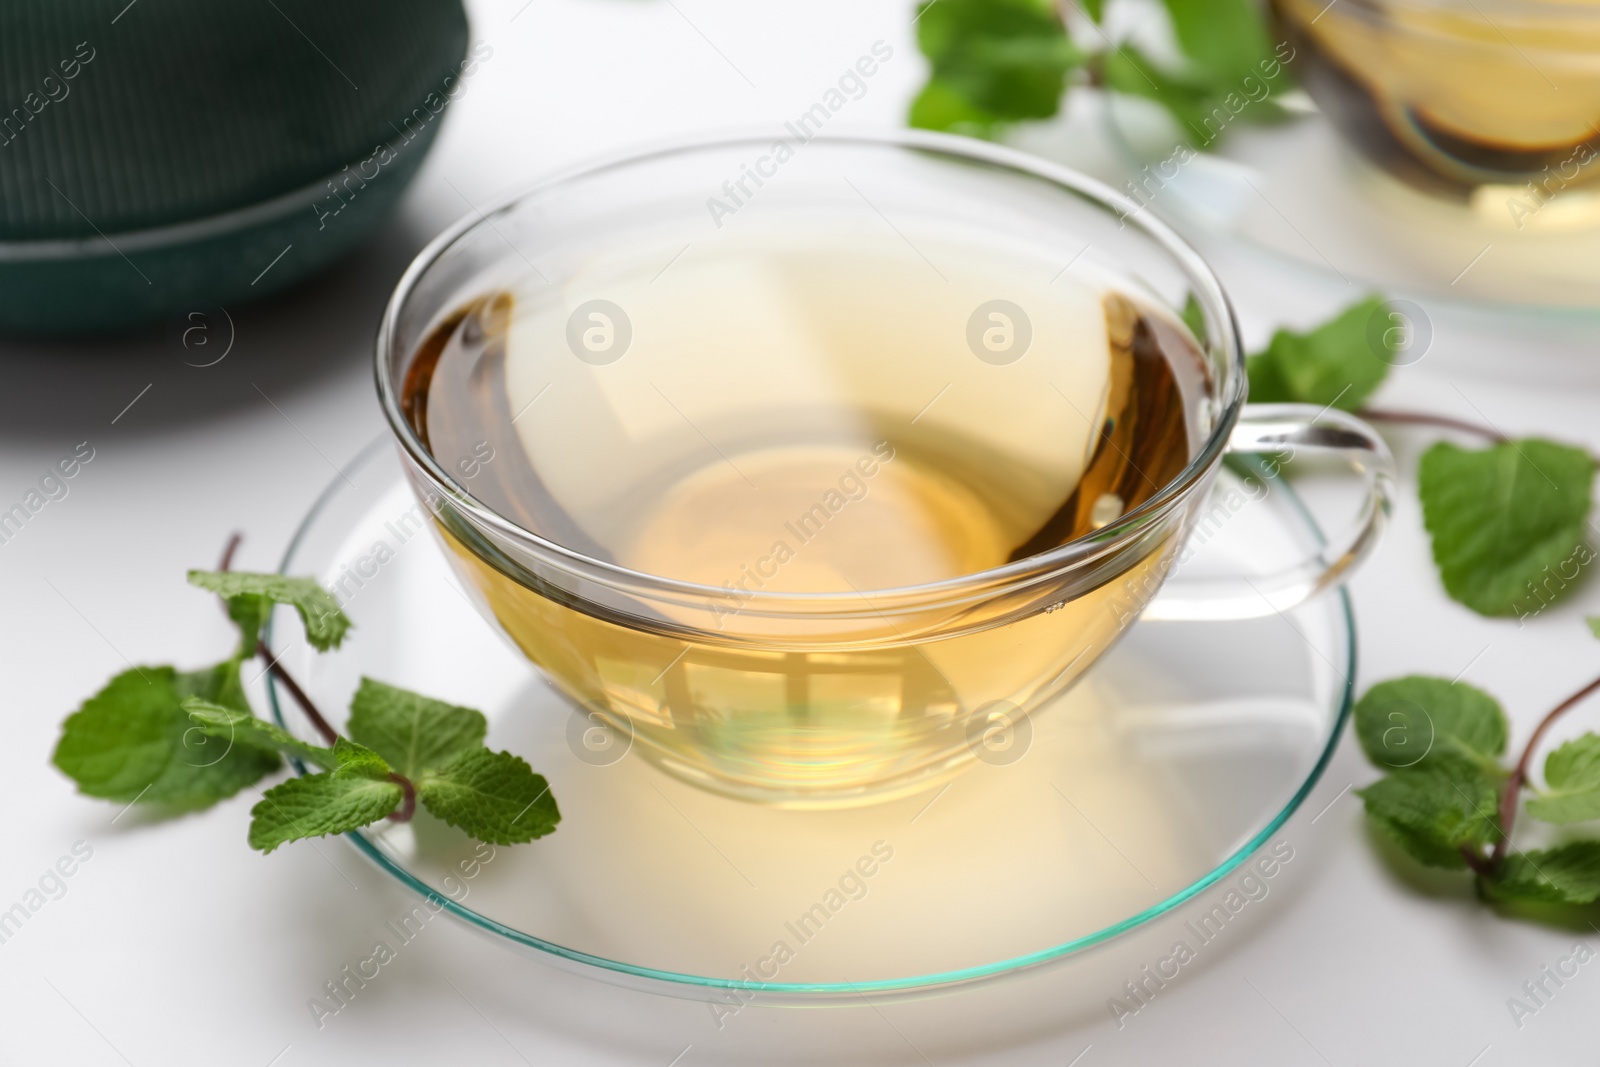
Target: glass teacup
(1491, 100)
(810, 469)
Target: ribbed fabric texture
(182, 109)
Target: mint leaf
(1569, 874)
(939, 107)
(133, 741)
(1404, 721)
(1508, 522)
(1572, 780)
(220, 684)
(119, 742)
(1190, 101)
(199, 774)
(493, 796)
(1334, 365)
(1433, 810)
(1095, 9)
(993, 61)
(1225, 40)
(353, 756)
(1594, 624)
(250, 598)
(357, 792)
(413, 732)
(243, 728)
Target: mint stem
(276, 669)
(1423, 418)
(1480, 864)
(408, 806)
(1508, 801)
(226, 563)
(329, 735)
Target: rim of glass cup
(695, 986)
(1222, 335)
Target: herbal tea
(1451, 98)
(800, 415)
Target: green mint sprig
(1508, 522)
(1509, 528)
(1447, 801)
(997, 62)
(184, 740)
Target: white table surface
(175, 944)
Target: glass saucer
(1185, 748)
(1297, 192)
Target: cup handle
(1277, 429)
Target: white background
(175, 944)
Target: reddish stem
(226, 563)
(408, 806)
(1423, 418)
(328, 733)
(1477, 861)
(1508, 802)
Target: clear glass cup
(830, 696)
(1488, 98)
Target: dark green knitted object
(167, 154)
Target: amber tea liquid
(810, 414)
